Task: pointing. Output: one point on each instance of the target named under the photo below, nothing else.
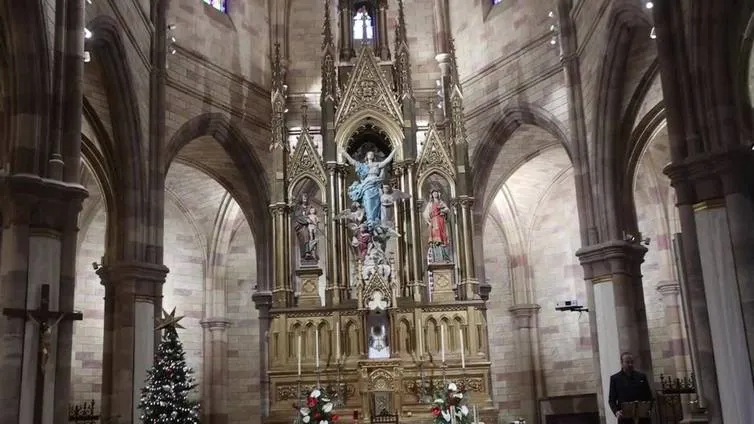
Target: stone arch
(241, 153)
(638, 141)
(27, 85)
(744, 73)
(128, 159)
(492, 143)
(99, 155)
(607, 157)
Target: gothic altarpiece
(375, 297)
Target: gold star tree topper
(168, 320)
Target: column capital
(708, 176)
(40, 202)
(262, 300)
(523, 314)
(610, 258)
(669, 288)
(139, 279)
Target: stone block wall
(244, 400)
(184, 285)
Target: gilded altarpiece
(375, 298)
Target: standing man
(628, 385)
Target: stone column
(39, 219)
(133, 300)
(382, 33)
(215, 370)
(525, 322)
(724, 300)
(617, 315)
(465, 242)
(282, 290)
(346, 31)
(263, 303)
(671, 297)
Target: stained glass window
(221, 5)
(362, 25)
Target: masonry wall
(244, 386)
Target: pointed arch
(608, 144)
(108, 47)
(239, 150)
(24, 25)
(485, 155)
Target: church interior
(377, 198)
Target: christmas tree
(164, 399)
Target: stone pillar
(263, 303)
(617, 315)
(382, 33)
(215, 370)
(724, 300)
(39, 219)
(525, 322)
(346, 31)
(465, 242)
(133, 300)
(671, 297)
(282, 291)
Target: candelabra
(678, 385)
(339, 393)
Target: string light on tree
(165, 396)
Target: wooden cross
(44, 318)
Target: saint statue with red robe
(436, 216)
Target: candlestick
(337, 341)
(476, 417)
(442, 342)
(421, 341)
(316, 347)
(463, 354)
(299, 355)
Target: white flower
(323, 422)
(445, 415)
(452, 387)
(458, 395)
(306, 419)
(316, 393)
(327, 408)
(305, 411)
(464, 410)
(439, 401)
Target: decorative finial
(431, 110)
(327, 38)
(169, 320)
(277, 69)
(304, 117)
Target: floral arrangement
(318, 409)
(450, 406)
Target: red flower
(435, 411)
(334, 418)
(316, 415)
(311, 402)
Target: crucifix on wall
(47, 320)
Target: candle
(337, 340)
(299, 355)
(316, 347)
(442, 342)
(463, 355)
(421, 341)
(476, 417)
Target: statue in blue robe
(368, 190)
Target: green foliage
(165, 397)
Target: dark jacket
(625, 387)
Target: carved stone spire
(329, 84)
(402, 57)
(453, 64)
(431, 111)
(277, 97)
(304, 117)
